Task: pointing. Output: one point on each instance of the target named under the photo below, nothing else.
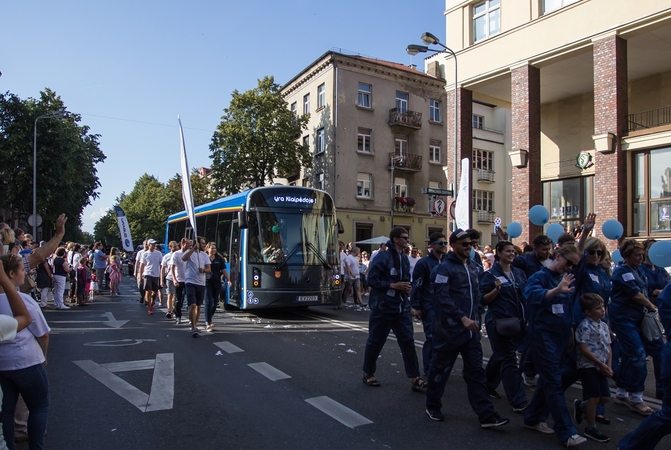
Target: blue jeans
(548, 354)
(656, 426)
(32, 384)
(379, 325)
(212, 293)
(444, 356)
(502, 365)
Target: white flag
(187, 194)
(124, 229)
(461, 211)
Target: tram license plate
(307, 298)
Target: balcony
(405, 119)
(486, 216)
(404, 204)
(486, 176)
(406, 162)
(649, 119)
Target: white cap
(151, 241)
(8, 327)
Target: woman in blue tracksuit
(502, 290)
(657, 276)
(549, 297)
(629, 301)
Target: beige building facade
(377, 132)
(582, 90)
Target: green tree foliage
(67, 156)
(256, 140)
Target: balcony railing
(486, 216)
(407, 162)
(406, 119)
(649, 119)
(486, 176)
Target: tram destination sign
(432, 191)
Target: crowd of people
(554, 313)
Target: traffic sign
(432, 191)
(438, 206)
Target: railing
(649, 119)
(408, 162)
(408, 119)
(491, 130)
(486, 176)
(486, 216)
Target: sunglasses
(466, 244)
(404, 237)
(595, 252)
(546, 241)
(569, 263)
(439, 243)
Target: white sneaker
(528, 381)
(574, 440)
(63, 307)
(542, 427)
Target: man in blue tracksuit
(421, 300)
(389, 303)
(456, 330)
(531, 263)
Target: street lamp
(412, 49)
(49, 115)
(394, 159)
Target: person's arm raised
(43, 252)
(16, 304)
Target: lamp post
(412, 49)
(50, 115)
(394, 159)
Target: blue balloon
(539, 215)
(612, 229)
(554, 231)
(660, 253)
(514, 229)
(616, 257)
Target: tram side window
(223, 232)
(200, 225)
(176, 231)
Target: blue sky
(130, 67)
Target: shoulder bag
(651, 327)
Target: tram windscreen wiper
(284, 259)
(319, 256)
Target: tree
(257, 140)
(67, 156)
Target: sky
(131, 67)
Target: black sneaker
(577, 412)
(494, 421)
(435, 415)
(595, 434)
(493, 394)
(521, 407)
(168, 315)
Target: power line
(144, 122)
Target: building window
(363, 185)
(320, 180)
(569, 199)
(434, 111)
(486, 19)
(294, 108)
(401, 101)
(483, 160)
(553, 5)
(400, 187)
(435, 184)
(652, 192)
(401, 145)
(365, 93)
(478, 121)
(483, 200)
(321, 95)
(434, 151)
(364, 140)
(306, 104)
(320, 143)
(306, 142)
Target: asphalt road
(272, 380)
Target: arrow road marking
(269, 371)
(339, 412)
(162, 386)
(111, 322)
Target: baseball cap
(151, 241)
(8, 326)
(458, 235)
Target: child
(594, 364)
(82, 279)
(94, 286)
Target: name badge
(503, 280)
(595, 278)
(628, 276)
(558, 308)
(391, 293)
(393, 272)
(441, 279)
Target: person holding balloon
(629, 303)
(657, 276)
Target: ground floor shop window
(652, 192)
(569, 199)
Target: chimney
(413, 66)
(433, 69)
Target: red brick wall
(526, 135)
(610, 115)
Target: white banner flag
(187, 194)
(461, 212)
(124, 229)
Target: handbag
(651, 327)
(28, 285)
(508, 326)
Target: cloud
(95, 215)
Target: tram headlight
(256, 277)
(336, 279)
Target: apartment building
(378, 135)
(587, 86)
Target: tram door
(235, 246)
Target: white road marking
(228, 347)
(110, 322)
(339, 412)
(269, 371)
(118, 343)
(162, 388)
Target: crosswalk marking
(228, 347)
(269, 371)
(339, 412)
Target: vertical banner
(461, 211)
(124, 229)
(187, 194)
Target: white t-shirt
(180, 266)
(165, 264)
(24, 350)
(8, 327)
(196, 261)
(343, 259)
(353, 264)
(152, 263)
(413, 261)
(138, 259)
